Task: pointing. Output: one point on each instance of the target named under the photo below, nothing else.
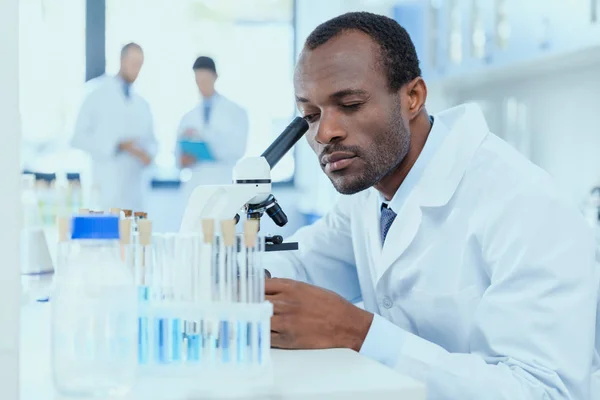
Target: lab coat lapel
(401, 233)
(466, 128)
(200, 114)
(374, 237)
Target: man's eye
(310, 117)
(353, 106)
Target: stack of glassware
(202, 325)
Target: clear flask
(94, 316)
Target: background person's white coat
(226, 135)
(486, 286)
(106, 119)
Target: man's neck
(419, 133)
(209, 96)
(120, 75)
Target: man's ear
(415, 93)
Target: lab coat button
(387, 303)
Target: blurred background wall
(534, 67)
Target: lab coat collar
(467, 129)
(212, 99)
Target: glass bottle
(94, 314)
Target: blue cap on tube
(95, 227)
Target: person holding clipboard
(212, 136)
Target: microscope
(250, 191)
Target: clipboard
(197, 149)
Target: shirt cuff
(384, 341)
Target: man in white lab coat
(115, 128)
(477, 275)
(218, 122)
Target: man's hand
(143, 157)
(190, 133)
(127, 145)
(309, 317)
(131, 147)
(187, 160)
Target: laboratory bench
(302, 375)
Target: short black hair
(204, 62)
(398, 55)
(130, 46)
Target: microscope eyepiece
(285, 141)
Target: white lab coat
(226, 136)
(107, 118)
(486, 282)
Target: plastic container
(94, 318)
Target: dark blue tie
(126, 90)
(387, 217)
(207, 106)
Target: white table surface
(307, 375)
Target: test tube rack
(203, 318)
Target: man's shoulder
(232, 104)
(499, 175)
(505, 165)
(99, 87)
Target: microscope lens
(277, 215)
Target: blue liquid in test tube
(241, 342)
(224, 341)
(143, 329)
(177, 339)
(162, 340)
(194, 346)
(260, 334)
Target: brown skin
(365, 135)
(131, 64)
(205, 80)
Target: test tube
(143, 275)
(226, 263)
(201, 336)
(63, 245)
(245, 327)
(127, 249)
(250, 245)
(183, 258)
(160, 295)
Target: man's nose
(330, 129)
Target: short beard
(386, 153)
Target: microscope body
(251, 185)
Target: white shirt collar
(435, 138)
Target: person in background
(476, 273)
(114, 126)
(218, 122)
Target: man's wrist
(359, 323)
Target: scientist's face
(205, 79)
(356, 127)
(131, 64)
